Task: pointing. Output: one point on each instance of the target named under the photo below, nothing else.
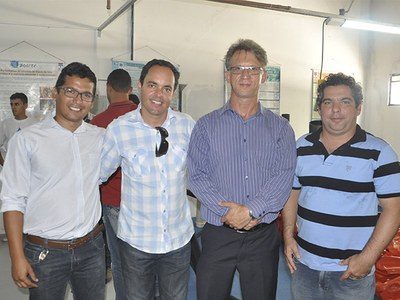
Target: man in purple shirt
(241, 164)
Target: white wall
(196, 34)
(381, 119)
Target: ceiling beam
(115, 15)
(281, 8)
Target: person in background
(241, 163)
(19, 104)
(155, 225)
(50, 196)
(8, 127)
(119, 86)
(343, 175)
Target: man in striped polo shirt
(344, 178)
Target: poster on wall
(134, 68)
(35, 79)
(269, 93)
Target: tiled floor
(8, 290)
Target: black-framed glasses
(73, 93)
(163, 149)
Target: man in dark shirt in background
(119, 86)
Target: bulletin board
(35, 79)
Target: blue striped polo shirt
(338, 203)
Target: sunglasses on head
(163, 149)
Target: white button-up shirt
(51, 176)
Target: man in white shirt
(50, 194)
(19, 104)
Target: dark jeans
(140, 270)
(110, 219)
(254, 254)
(82, 267)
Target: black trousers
(254, 254)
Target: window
(394, 89)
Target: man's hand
(291, 250)
(23, 275)
(357, 267)
(252, 223)
(237, 216)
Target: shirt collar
(49, 122)
(227, 107)
(359, 136)
(122, 103)
(136, 117)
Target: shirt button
(244, 140)
(246, 177)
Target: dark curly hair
(340, 79)
(77, 69)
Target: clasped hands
(238, 216)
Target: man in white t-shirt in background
(19, 104)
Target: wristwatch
(251, 215)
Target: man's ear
(264, 77)
(54, 93)
(228, 76)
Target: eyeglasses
(163, 149)
(252, 70)
(72, 93)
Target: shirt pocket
(138, 162)
(179, 157)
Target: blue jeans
(140, 270)
(82, 267)
(308, 284)
(110, 219)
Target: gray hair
(248, 46)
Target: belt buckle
(241, 231)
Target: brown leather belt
(66, 244)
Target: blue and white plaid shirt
(155, 215)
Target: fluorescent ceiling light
(371, 26)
